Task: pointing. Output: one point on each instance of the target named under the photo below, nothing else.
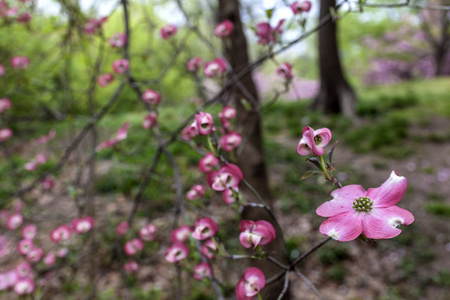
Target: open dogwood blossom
(196, 192)
(148, 232)
(122, 228)
(82, 225)
(23, 269)
(5, 134)
(150, 120)
(151, 96)
(266, 34)
(226, 115)
(230, 141)
(20, 62)
(35, 254)
(285, 70)
(178, 251)
(25, 246)
(207, 163)
(181, 234)
(49, 259)
(202, 270)
(105, 79)
(204, 228)
(5, 104)
(194, 64)
(29, 232)
(14, 221)
(62, 233)
(24, 286)
(120, 66)
(354, 211)
(134, 246)
(298, 8)
(204, 123)
(224, 29)
(251, 283)
(228, 176)
(256, 233)
(313, 141)
(118, 40)
(189, 132)
(168, 31)
(215, 68)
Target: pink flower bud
(35, 254)
(208, 163)
(230, 141)
(313, 141)
(2, 70)
(151, 96)
(230, 195)
(14, 221)
(178, 251)
(223, 29)
(196, 192)
(131, 267)
(24, 286)
(133, 246)
(252, 282)
(82, 225)
(62, 233)
(204, 228)
(49, 259)
(62, 252)
(120, 66)
(204, 123)
(148, 232)
(229, 176)
(202, 270)
(189, 132)
(207, 249)
(227, 113)
(105, 79)
(168, 31)
(298, 8)
(29, 232)
(285, 70)
(150, 120)
(256, 233)
(215, 68)
(20, 62)
(47, 183)
(194, 64)
(5, 134)
(181, 234)
(122, 228)
(118, 40)
(123, 131)
(5, 104)
(266, 34)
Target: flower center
(317, 139)
(362, 204)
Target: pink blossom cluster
(301, 7)
(168, 31)
(267, 34)
(94, 25)
(19, 12)
(224, 29)
(117, 40)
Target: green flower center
(362, 204)
(317, 139)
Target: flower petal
(382, 223)
(342, 200)
(344, 227)
(303, 148)
(390, 192)
(325, 134)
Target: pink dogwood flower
(228, 176)
(230, 141)
(285, 70)
(29, 232)
(47, 183)
(194, 64)
(151, 96)
(82, 225)
(207, 249)
(230, 195)
(313, 141)
(298, 8)
(226, 115)
(5, 134)
(20, 62)
(208, 163)
(14, 221)
(266, 34)
(205, 124)
(354, 211)
(35, 254)
(49, 259)
(2, 70)
(118, 40)
(93, 25)
(189, 132)
(168, 31)
(177, 252)
(62, 233)
(24, 286)
(5, 104)
(131, 267)
(148, 232)
(256, 233)
(150, 120)
(196, 192)
(181, 234)
(120, 66)
(252, 282)
(23, 269)
(25, 246)
(122, 228)
(215, 68)
(204, 228)
(202, 270)
(134, 246)
(105, 79)
(224, 29)
(120, 136)
(45, 138)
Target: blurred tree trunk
(335, 94)
(251, 158)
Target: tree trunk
(251, 158)
(335, 94)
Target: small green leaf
(309, 173)
(269, 13)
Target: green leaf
(269, 13)
(309, 173)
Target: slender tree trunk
(335, 94)
(251, 158)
